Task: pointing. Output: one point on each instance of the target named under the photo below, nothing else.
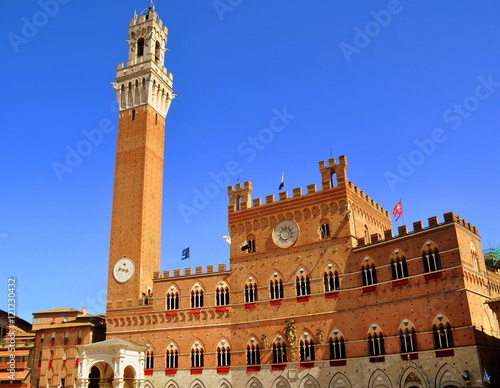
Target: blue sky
(408, 90)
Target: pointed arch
(254, 383)
(306, 344)
(157, 52)
(251, 290)
(137, 97)
(130, 99)
(376, 345)
(339, 380)
(279, 349)
(153, 91)
(172, 356)
(331, 278)
(399, 267)
(224, 384)
(407, 336)
(144, 96)
(412, 377)
(280, 382)
(336, 343)
(140, 47)
(253, 352)
(222, 294)
(197, 295)
(163, 99)
(431, 257)
(172, 298)
(276, 289)
(171, 384)
(302, 282)
(197, 354)
(368, 271)
(149, 360)
(379, 379)
(223, 353)
(123, 97)
(309, 382)
(197, 384)
(148, 384)
(447, 375)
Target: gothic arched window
(140, 47)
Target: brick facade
(319, 292)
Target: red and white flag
(398, 210)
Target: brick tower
(144, 91)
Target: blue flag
(282, 183)
(185, 254)
(486, 377)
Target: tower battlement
(179, 273)
(152, 15)
(333, 168)
(418, 226)
(333, 176)
(368, 199)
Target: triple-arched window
(196, 296)
(222, 294)
(431, 258)
(276, 287)
(172, 356)
(307, 350)
(253, 354)
(279, 352)
(302, 284)
(173, 299)
(331, 280)
(250, 291)
(369, 274)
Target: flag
(486, 377)
(136, 17)
(398, 210)
(282, 183)
(185, 254)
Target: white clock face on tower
(123, 270)
(285, 234)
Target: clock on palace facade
(285, 234)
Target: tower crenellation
(333, 168)
(240, 195)
(418, 226)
